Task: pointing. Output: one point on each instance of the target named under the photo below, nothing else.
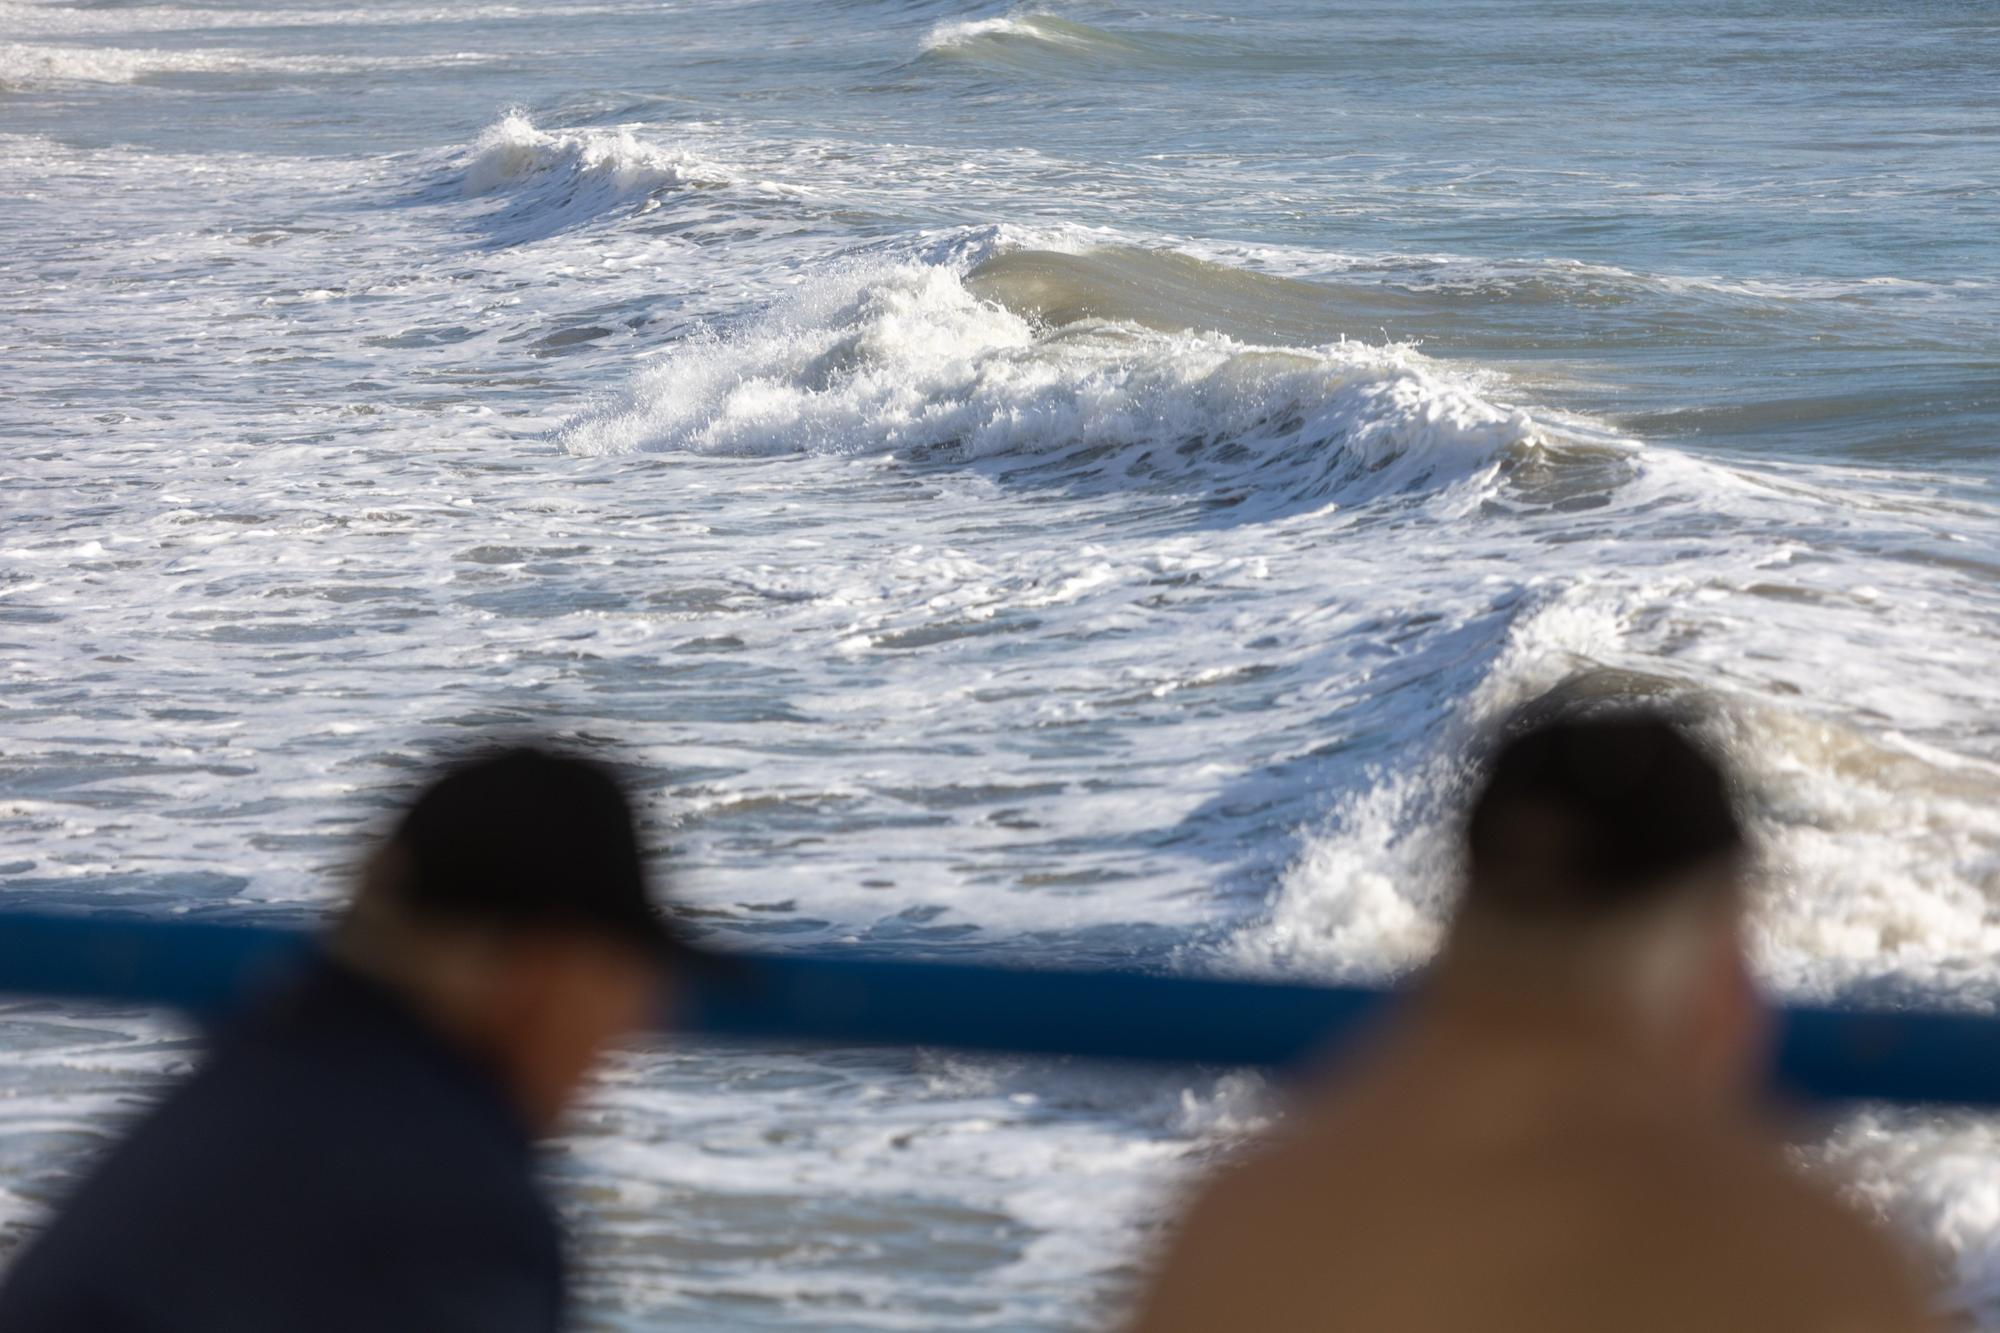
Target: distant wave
(68, 19)
(1170, 291)
(959, 33)
(23, 65)
(554, 179)
(908, 358)
(513, 152)
(30, 65)
(1016, 37)
(1411, 278)
(1571, 280)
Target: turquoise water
(1056, 484)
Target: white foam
(954, 34)
(32, 19)
(1077, 1160)
(550, 180)
(28, 65)
(513, 152)
(1884, 853)
(904, 359)
(1934, 1177)
(1368, 892)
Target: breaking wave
(925, 360)
(1880, 854)
(969, 35)
(1035, 43)
(551, 180)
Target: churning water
(1058, 484)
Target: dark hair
(525, 836)
(1587, 815)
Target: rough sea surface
(1054, 484)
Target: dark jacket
(333, 1166)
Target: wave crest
(562, 177)
(958, 35)
(909, 359)
(1879, 851)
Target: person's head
(509, 906)
(1605, 875)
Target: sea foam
(550, 180)
(957, 34)
(32, 65)
(1880, 855)
(905, 359)
(29, 65)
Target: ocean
(1056, 485)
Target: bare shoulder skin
(1443, 1190)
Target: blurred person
(358, 1155)
(1559, 1130)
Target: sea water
(1055, 484)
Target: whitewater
(1053, 484)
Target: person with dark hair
(1558, 1131)
(358, 1154)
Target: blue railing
(1903, 1056)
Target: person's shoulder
(377, 1122)
(1252, 1225)
(358, 1122)
(1730, 1199)
(279, 1157)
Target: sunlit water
(1058, 485)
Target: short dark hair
(1581, 816)
(527, 836)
